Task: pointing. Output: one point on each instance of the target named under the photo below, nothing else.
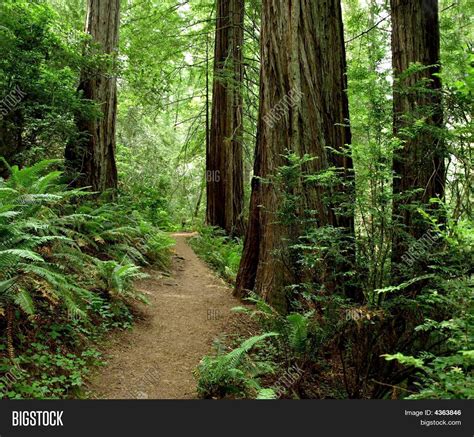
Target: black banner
(245, 418)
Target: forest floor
(186, 312)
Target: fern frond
(233, 358)
(19, 254)
(266, 394)
(24, 300)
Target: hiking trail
(155, 360)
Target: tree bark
(304, 110)
(91, 162)
(224, 168)
(418, 117)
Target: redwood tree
(224, 172)
(92, 160)
(303, 110)
(418, 117)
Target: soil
(187, 310)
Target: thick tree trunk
(224, 153)
(304, 110)
(418, 116)
(92, 161)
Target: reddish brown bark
(303, 66)
(419, 163)
(92, 161)
(224, 169)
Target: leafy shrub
(42, 58)
(218, 250)
(291, 345)
(50, 375)
(118, 278)
(447, 375)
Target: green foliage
(117, 278)
(266, 394)
(294, 330)
(51, 375)
(298, 332)
(69, 263)
(447, 377)
(68, 260)
(146, 189)
(232, 374)
(163, 108)
(218, 250)
(445, 373)
(369, 76)
(315, 254)
(424, 323)
(41, 58)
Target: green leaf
(24, 300)
(407, 360)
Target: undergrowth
(320, 354)
(411, 338)
(219, 251)
(67, 266)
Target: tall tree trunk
(304, 110)
(418, 116)
(224, 152)
(92, 161)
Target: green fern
(50, 240)
(267, 394)
(233, 373)
(117, 278)
(25, 301)
(234, 358)
(298, 330)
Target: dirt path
(156, 359)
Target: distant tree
(92, 160)
(224, 168)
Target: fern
(233, 373)
(8, 255)
(117, 278)
(49, 249)
(6, 286)
(266, 394)
(234, 358)
(24, 300)
(298, 330)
